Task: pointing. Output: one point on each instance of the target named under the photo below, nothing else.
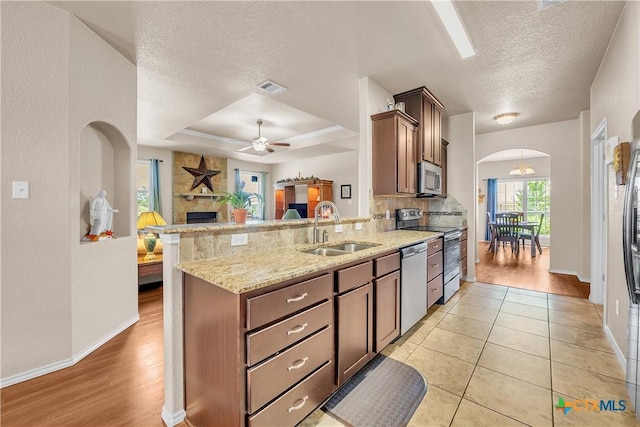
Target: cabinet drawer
(355, 276)
(464, 235)
(435, 246)
(268, 341)
(386, 264)
(269, 379)
(293, 406)
(435, 265)
(463, 249)
(463, 268)
(434, 290)
(274, 305)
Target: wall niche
(105, 164)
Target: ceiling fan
(261, 143)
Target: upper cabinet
(424, 107)
(394, 153)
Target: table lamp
(147, 219)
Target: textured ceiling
(197, 59)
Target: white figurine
(101, 214)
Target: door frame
(599, 214)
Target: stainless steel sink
(353, 247)
(340, 249)
(325, 251)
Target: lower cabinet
(355, 331)
(387, 303)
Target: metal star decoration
(202, 175)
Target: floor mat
(384, 393)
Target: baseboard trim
(622, 360)
(584, 279)
(171, 420)
(87, 351)
(572, 273)
(56, 366)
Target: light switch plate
(239, 239)
(338, 228)
(358, 226)
(20, 189)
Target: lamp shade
(291, 214)
(149, 219)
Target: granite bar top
(258, 269)
(256, 225)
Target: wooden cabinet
(263, 357)
(354, 319)
(463, 256)
(387, 309)
(435, 268)
(316, 190)
(424, 107)
(394, 153)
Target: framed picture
(345, 191)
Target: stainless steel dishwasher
(413, 285)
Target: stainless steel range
(408, 219)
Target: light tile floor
(500, 356)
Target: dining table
(531, 227)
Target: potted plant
(240, 202)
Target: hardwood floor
(525, 272)
(120, 384)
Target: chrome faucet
(336, 218)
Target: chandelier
(522, 169)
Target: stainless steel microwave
(429, 179)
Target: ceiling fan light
(260, 146)
(506, 118)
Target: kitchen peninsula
(233, 302)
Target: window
(533, 197)
(253, 184)
(143, 184)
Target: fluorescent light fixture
(506, 118)
(452, 22)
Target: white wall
(339, 168)
(500, 170)
(61, 298)
(373, 100)
(233, 164)
(615, 94)
(166, 177)
(460, 131)
(562, 141)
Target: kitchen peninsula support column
(173, 410)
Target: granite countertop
(255, 225)
(258, 269)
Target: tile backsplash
(436, 211)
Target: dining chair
(492, 233)
(507, 230)
(527, 235)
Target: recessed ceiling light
(271, 87)
(452, 22)
(506, 118)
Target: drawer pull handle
(296, 299)
(298, 364)
(434, 290)
(435, 265)
(299, 405)
(297, 329)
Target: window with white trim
(530, 196)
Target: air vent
(544, 4)
(271, 87)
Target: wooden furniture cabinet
(463, 256)
(394, 153)
(427, 110)
(435, 268)
(387, 300)
(317, 190)
(149, 267)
